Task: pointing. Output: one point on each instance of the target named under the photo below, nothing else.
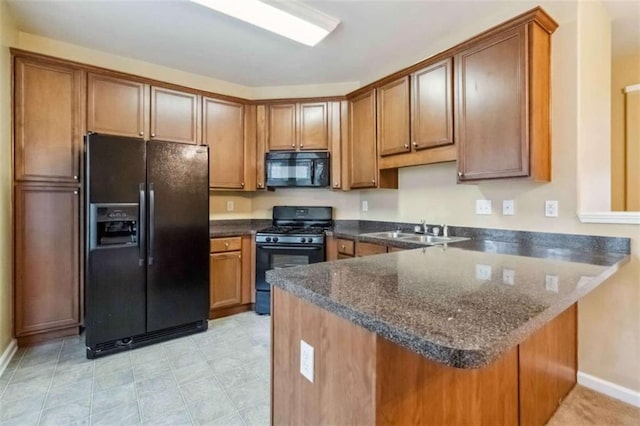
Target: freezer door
(115, 290)
(178, 235)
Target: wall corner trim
(610, 389)
(8, 353)
(620, 218)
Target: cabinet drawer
(368, 249)
(225, 244)
(346, 247)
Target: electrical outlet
(508, 208)
(230, 206)
(509, 276)
(551, 283)
(483, 206)
(551, 208)
(365, 206)
(306, 360)
(483, 272)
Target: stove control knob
(275, 239)
(302, 240)
(268, 239)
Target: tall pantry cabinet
(49, 117)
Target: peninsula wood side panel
(548, 368)
(345, 366)
(412, 390)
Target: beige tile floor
(220, 377)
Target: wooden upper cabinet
(502, 113)
(362, 141)
(432, 106)
(223, 131)
(393, 117)
(175, 116)
(117, 106)
(313, 129)
(302, 126)
(47, 258)
(282, 127)
(49, 110)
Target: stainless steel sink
(391, 235)
(430, 239)
(414, 238)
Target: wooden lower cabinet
(47, 262)
(230, 276)
(389, 384)
(369, 249)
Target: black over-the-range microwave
(305, 169)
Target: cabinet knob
(415, 144)
(460, 174)
(336, 184)
(301, 145)
(153, 135)
(239, 256)
(242, 184)
(342, 247)
(75, 177)
(75, 192)
(259, 184)
(406, 146)
(226, 244)
(141, 133)
(373, 181)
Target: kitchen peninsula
(478, 332)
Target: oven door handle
(308, 248)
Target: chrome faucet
(445, 230)
(435, 231)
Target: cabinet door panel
(492, 112)
(432, 109)
(224, 133)
(393, 117)
(362, 142)
(282, 127)
(175, 116)
(49, 112)
(226, 279)
(117, 106)
(313, 126)
(47, 258)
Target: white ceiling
(373, 39)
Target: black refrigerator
(147, 242)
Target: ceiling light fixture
(291, 19)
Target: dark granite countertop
(236, 227)
(463, 305)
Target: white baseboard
(610, 389)
(7, 355)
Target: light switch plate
(306, 360)
(551, 283)
(551, 208)
(483, 206)
(508, 207)
(365, 206)
(230, 206)
(483, 272)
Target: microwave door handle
(313, 172)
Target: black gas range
(295, 239)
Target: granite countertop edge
(453, 357)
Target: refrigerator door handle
(152, 222)
(142, 225)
